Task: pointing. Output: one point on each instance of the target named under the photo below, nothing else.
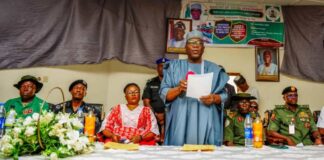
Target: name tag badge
(291, 128)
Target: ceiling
(274, 2)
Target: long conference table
(175, 153)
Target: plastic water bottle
(11, 119)
(80, 115)
(2, 119)
(248, 131)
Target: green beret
(289, 89)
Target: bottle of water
(2, 119)
(248, 131)
(80, 115)
(11, 119)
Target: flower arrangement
(59, 134)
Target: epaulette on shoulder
(232, 114)
(279, 106)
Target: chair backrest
(98, 107)
(316, 114)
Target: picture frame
(267, 64)
(177, 31)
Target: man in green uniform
(151, 97)
(234, 126)
(28, 103)
(292, 123)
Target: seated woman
(130, 121)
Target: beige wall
(106, 80)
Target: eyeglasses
(292, 95)
(132, 92)
(244, 102)
(195, 42)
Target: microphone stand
(40, 111)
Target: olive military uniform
(25, 110)
(151, 92)
(234, 129)
(302, 118)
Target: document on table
(199, 85)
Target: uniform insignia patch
(303, 115)
(227, 123)
(240, 119)
(273, 116)
(307, 125)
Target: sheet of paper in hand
(199, 85)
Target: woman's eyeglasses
(132, 92)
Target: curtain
(64, 32)
(304, 42)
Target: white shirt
(320, 122)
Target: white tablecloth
(174, 153)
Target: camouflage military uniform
(302, 118)
(234, 129)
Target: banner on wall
(236, 24)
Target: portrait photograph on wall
(267, 64)
(177, 32)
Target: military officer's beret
(79, 81)
(161, 60)
(289, 89)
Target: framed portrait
(267, 64)
(177, 33)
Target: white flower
(5, 139)
(47, 118)
(17, 141)
(36, 116)
(53, 156)
(78, 146)
(30, 131)
(7, 149)
(76, 123)
(28, 121)
(64, 118)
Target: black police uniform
(151, 92)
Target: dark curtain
(304, 42)
(62, 32)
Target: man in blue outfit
(191, 120)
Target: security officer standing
(151, 97)
(234, 126)
(291, 123)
